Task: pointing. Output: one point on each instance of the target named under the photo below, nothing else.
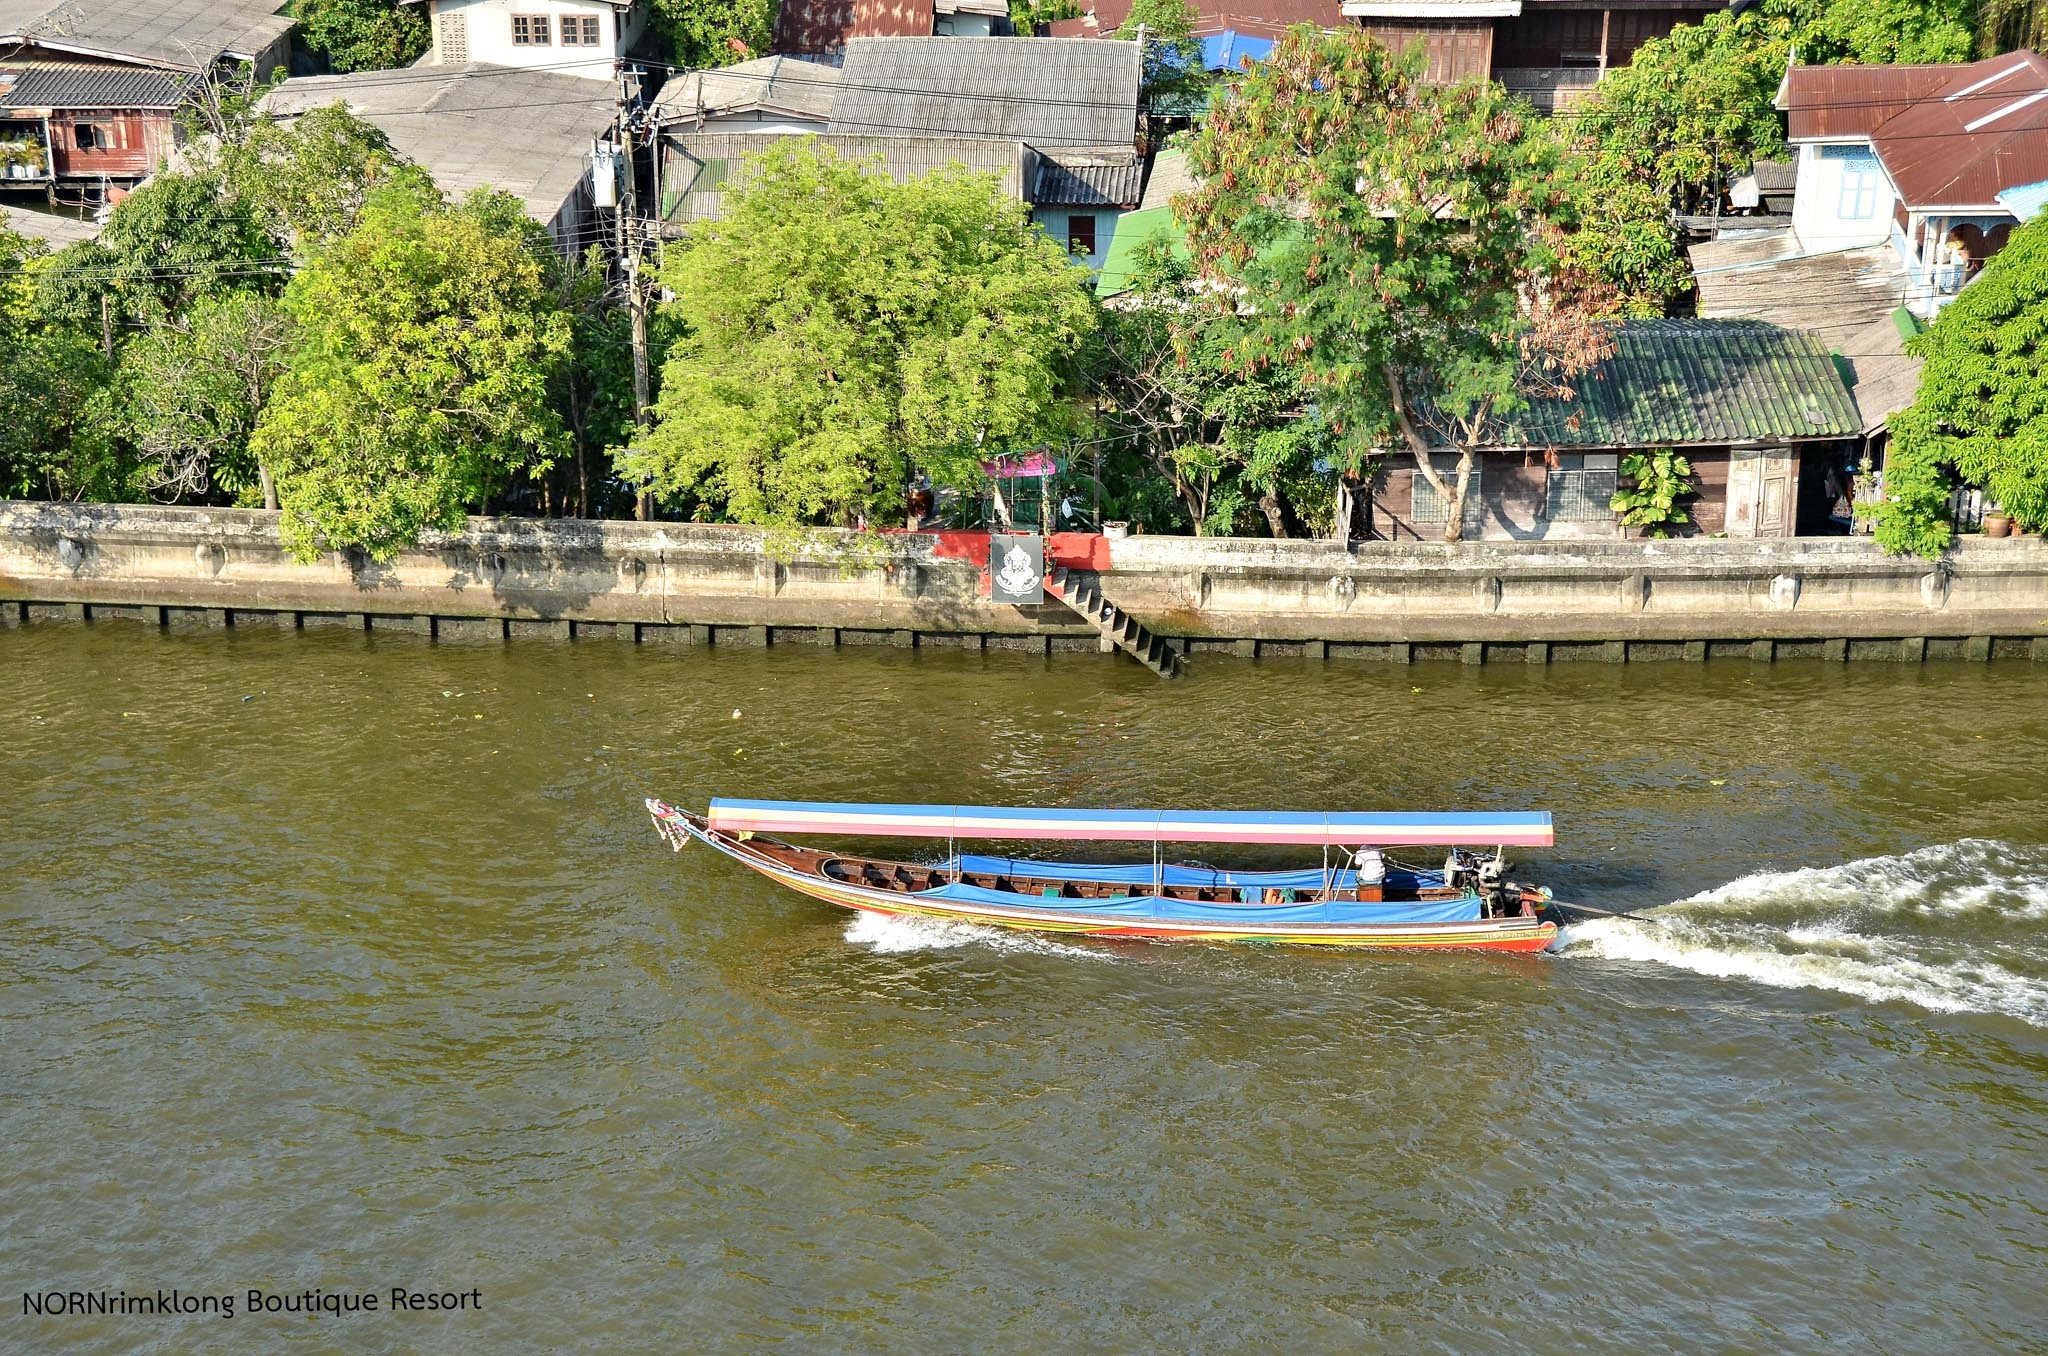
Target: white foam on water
(1719, 932)
(1882, 976)
(890, 935)
(1960, 877)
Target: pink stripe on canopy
(1335, 828)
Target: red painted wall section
(1075, 550)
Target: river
(351, 962)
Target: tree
(1174, 73)
(1880, 32)
(1691, 108)
(716, 32)
(175, 239)
(305, 181)
(837, 327)
(53, 384)
(1232, 446)
(426, 341)
(364, 35)
(191, 392)
(1390, 243)
(1982, 409)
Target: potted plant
(1997, 523)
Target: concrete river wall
(677, 583)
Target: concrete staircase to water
(1081, 590)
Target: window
(1081, 233)
(92, 136)
(1858, 200)
(579, 30)
(1578, 488)
(1430, 507)
(532, 30)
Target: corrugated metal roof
(184, 35)
(62, 85)
(458, 128)
(891, 19)
(696, 168)
(778, 84)
(1949, 136)
(1086, 179)
(1170, 176)
(1772, 277)
(813, 27)
(1688, 383)
(1042, 90)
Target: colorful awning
(1164, 826)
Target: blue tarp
(1465, 910)
(1141, 874)
(1224, 51)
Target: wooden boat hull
(1492, 934)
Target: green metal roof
(1133, 229)
(1679, 383)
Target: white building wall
(482, 30)
(1843, 198)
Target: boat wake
(890, 935)
(1957, 927)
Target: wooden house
(1761, 412)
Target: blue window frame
(1858, 200)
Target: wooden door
(1760, 492)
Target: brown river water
(344, 963)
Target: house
(1074, 102)
(476, 126)
(90, 90)
(920, 104)
(1550, 52)
(1760, 411)
(1935, 163)
(819, 30)
(586, 38)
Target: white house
(565, 37)
(1935, 161)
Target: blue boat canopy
(1337, 828)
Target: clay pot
(1997, 525)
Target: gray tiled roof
(183, 34)
(1083, 178)
(696, 168)
(474, 125)
(781, 84)
(55, 85)
(1684, 383)
(1048, 91)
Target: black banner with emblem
(1016, 567)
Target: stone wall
(665, 581)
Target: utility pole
(632, 243)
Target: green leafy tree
(1027, 15)
(191, 391)
(1692, 107)
(426, 341)
(54, 442)
(1234, 447)
(305, 181)
(1174, 75)
(1381, 235)
(716, 32)
(364, 35)
(1982, 408)
(175, 239)
(839, 327)
(1881, 32)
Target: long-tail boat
(1361, 897)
